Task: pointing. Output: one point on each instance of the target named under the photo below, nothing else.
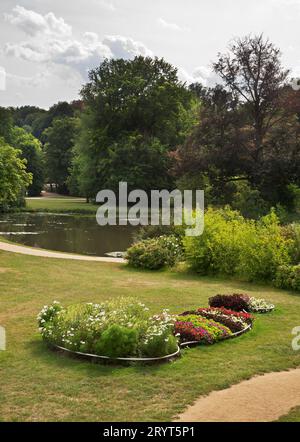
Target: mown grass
(39, 385)
(60, 205)
(292, 416)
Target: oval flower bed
(122, 329)
(241, 302)
(210, 325)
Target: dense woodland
(137, 122)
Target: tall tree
(31, 151)
(59, 142)
(125, 100)
(252, 70)
(13, 177)
(6, 123)
(248, 128)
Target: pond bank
(49, 254)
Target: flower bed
(118, 329)
(210, 325)
(235, 321)
(236, 301)
(259, 305)
(193, 327)
(124, 330)
(241, 302)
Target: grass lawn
(38, 385)
(292, 416)
(60, 205)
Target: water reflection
(65, 233)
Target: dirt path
(260, 399)
(48, 254)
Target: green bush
(233, 245)
(248, 200)
(159, 345)
(288, 277)
(117, 341)
(218, 248)
(292, 232)
(265, 250)
(155, 253)
(149, 232)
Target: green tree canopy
(13, 177)
(59, 142)
(248, 129)
(139, 101)
(6, 123)
(31, 151)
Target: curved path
(260, 399)
(8, 247)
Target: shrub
(292, 232)
(248, 200)
(155, 253)
(236, 302)
(263, 253)
(150, 232)
(193, 327)
(217, 250)
(288, 277)
(48, 313)
(117, 341)
(119, 328)
(232, 245)
(160, 345)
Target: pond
(65, 233)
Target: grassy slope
(37, 384)
(292, 416)
(60, 205)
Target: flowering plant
(193, 327)
(237, 302)
(119, 328)
(257, 305)
(240, 302)
(235, 321)
(155, 253)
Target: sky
(48, 46)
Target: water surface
(65, 233)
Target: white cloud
(164, 24)
(37, 80)
(185, 76)
(125, 47)
(34, 24)
(201, 74)
(205, 76)
(50, 40)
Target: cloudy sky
(47, 46)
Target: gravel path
(49, 254)
(260, 399)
